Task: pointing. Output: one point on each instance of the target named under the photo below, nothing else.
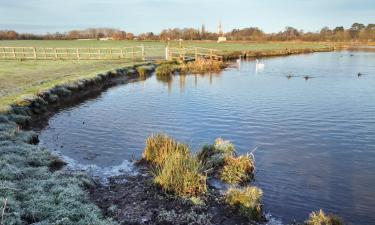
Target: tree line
(357, 32)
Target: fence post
(34, 50)
(183, 55)
(77, 49)
(14, 53)
(122, 53)
(110, 53)
(143, 52)
(133, 54)
(166, 53)
(100, 53)
(196, 54)
(211, 54)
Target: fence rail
(131, 53)
(192, 53)
(35, 53)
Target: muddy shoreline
(135, 200)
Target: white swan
(259, 65)
(238, 61)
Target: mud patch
(133, 199)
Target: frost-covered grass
(221, 159)
(212, 156)
(320, 218)
(36, 194)
(247, 201)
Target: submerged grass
(247, 201)
(320, 218)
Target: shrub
(320, 218)
(236, 169)
(247, 201)
(181, 174)
(164, 70)
(159, 147)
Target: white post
(143, 52)
(166, 53)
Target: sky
(137, 16)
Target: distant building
(220, 32)
(106, 39)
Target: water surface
(315, 137)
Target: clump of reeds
(159, 147)
(164, 70)
(320, 218)
(175, 169)
(202, 66)
(247, 201)
(181, 175)
(236, 169)
(221, 159)
(142, 71)
(212, 156)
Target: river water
(315, 137)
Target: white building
(221, 37)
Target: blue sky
(41, 16)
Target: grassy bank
(33, 189)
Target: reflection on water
(315, 137)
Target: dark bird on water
(289, 76)
(307, 77)
(359, 74)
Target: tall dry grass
(182, 175)
(236, 169)
(202, 66)
(159, 147)
(175, 169)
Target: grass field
(30, 76)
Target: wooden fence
(192, 53)
(135, 53)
